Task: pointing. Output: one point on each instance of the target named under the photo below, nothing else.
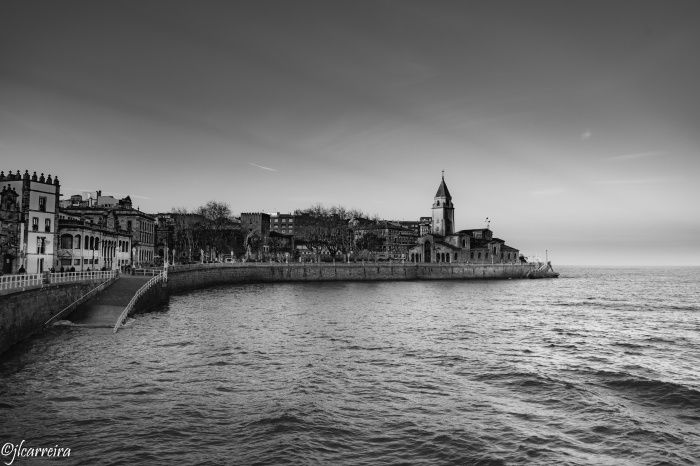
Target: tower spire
(443, 210)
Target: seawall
(25, 312)
(183, 278)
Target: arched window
(66, 241)
(97, 244)
(76, 243)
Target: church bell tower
(443, 211)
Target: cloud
(586, 135)
(262, 167)
(633, 181)
(637, 155)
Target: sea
(599, 366)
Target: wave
(670, 394)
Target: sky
(574, 126)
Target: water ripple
(598, 367)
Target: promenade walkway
(104, 310)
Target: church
(443, 245)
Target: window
(66, 243)
(47, 225)
(42, 203)
(41, 245)
(76, 262)
(35, 223)
(76, 243)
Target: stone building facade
(35, 229)
(282, 223)
(255, 222)
(395, 239)
(9, 228)
(84, 245)
(443, 244)
(123, 216)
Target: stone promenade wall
(183, 278)
(24, 313)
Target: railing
(161, 277)
(66, 277)
(23, 281)
(83, 298)
(12, 282)
(146, 272)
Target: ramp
(104, 310)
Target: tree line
(213, 229)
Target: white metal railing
(66, 277)
(12, 282)
(161, 277)
(146, 272)
(21, 281)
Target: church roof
(442, 190)
(448, 245)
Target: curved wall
(24, 313)
(202, 275)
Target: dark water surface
(601, 366)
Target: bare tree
(325, 229)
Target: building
(34, 210)
(122, 216)
(85, 245)
(410, 224)
(393, 240)
(177, 236)
(282, 223)
(255, 222)
(443, 244)
(9, 228)
(425, 226)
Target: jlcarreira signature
(20, 450)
